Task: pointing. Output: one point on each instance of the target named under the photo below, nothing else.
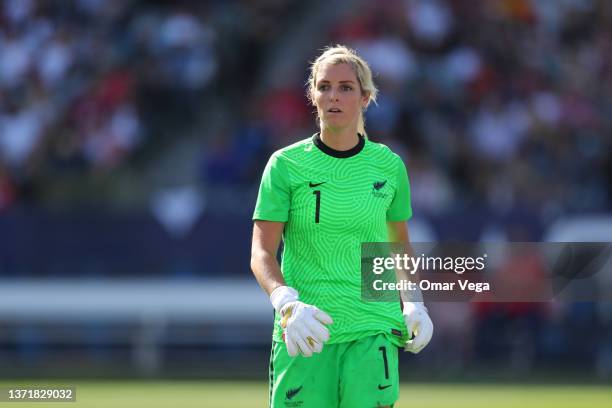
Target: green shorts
(358, 374)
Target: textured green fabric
(361, 373)
(355, 196)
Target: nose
(333, 95)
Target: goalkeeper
(324, 196)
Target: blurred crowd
(501, 102)
(82, 83)
(498, 105)
(501, 105)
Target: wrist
(281, 296)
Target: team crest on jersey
(378, 189)
(290, 395)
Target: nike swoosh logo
(311, 184)
(382, 387)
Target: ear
(365, 98)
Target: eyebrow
(342, 82)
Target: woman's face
(338, 96)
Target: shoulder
(295, 151)
(381, 151)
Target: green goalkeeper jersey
(331, 202)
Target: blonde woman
(324, 196)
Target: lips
(334, 110)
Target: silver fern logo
(376, 187)
(379, 184)
(293, 392)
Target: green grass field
(191, 394)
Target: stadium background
(132, 138)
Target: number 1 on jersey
(383, 350)
(317, 205)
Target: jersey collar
(339, 154)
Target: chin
(335, 124)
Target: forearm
(398, 235)
(413, 276)
(303, 325)
(267, 271)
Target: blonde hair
(341, 54)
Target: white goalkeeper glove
(420, 327)
(303, 325)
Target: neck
(344, 139)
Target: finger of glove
(322, 316)
(411, 347)
(412, 325)
(425, 333)
(414, 346)
(292, 347)
(318, 330)
(418, 346)
(318, 347)
(309, 338)
(422, 338)
(413, 334)
(305, 350)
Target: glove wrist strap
(281, 296)
(410, 306)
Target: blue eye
(347, 88)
